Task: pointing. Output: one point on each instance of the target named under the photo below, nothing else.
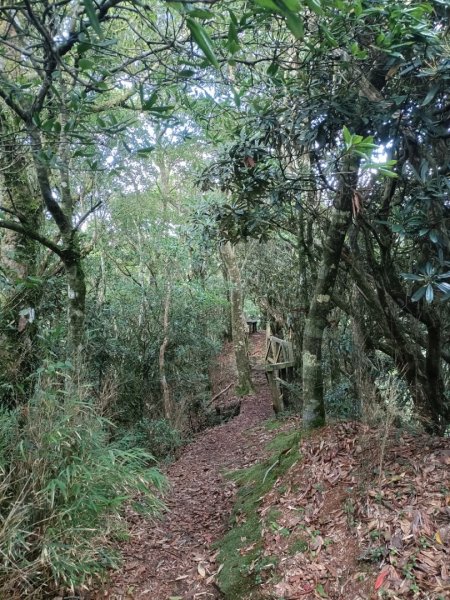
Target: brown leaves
(345, 511)
(411, 516)
(381, 577)
(173, 558)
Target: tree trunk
(76, 308)
(63, 215)
(418, 360)
(313, 403)
(167, 396)
(302, 301)
(239, 333)
(228, 333)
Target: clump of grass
(240, 550)
(300, 545)
(62, 486)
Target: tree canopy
(169, 169)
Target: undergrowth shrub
(340, 401)
(157, 436)
(62, 486)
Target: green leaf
(328, 36)
(348, 138)
(201, 13)
(48, 124)
(429, 293)
(321, 591)
(434, 236)
(411, 277)
(315, 6)
(419, 294)
(269, 4)
(272, 69)
(86, 64)
(162, 109)
(428, 269)
(388, 173)
(233, 40)
(92, 16)
(186, 73)
(295, 24)
(431, 94)
(145, 151)
(444, 287)
(237, 97)
(148, 104)
(203, 41)
(292, 5)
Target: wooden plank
(277, 398)
(279, 341)
(278, 366)
(282, 382)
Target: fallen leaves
(172, 558)
(381, 577)
(395, 523)
(201, 570)
(339, 527)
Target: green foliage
(203, 40)
(157, 436)
(298, 545)
(240, 550)
(340, 401)
(62, 489)
(431, 281)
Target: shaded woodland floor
(173, 557)
(363, 514)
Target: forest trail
(173, 558)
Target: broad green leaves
(432, 281)
(203, 40)
(364, 147)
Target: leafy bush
(62, 487)
(340, 401)
(157, 436)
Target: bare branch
(18, 228)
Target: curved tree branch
(17, 227)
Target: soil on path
(173, 558)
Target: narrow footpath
(173, 559)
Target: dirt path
(173, 559)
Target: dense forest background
(168, 168)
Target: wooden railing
(278, 365)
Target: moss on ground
(240, 550)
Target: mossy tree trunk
(70, 250)
(316, 322)
(239, 333)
